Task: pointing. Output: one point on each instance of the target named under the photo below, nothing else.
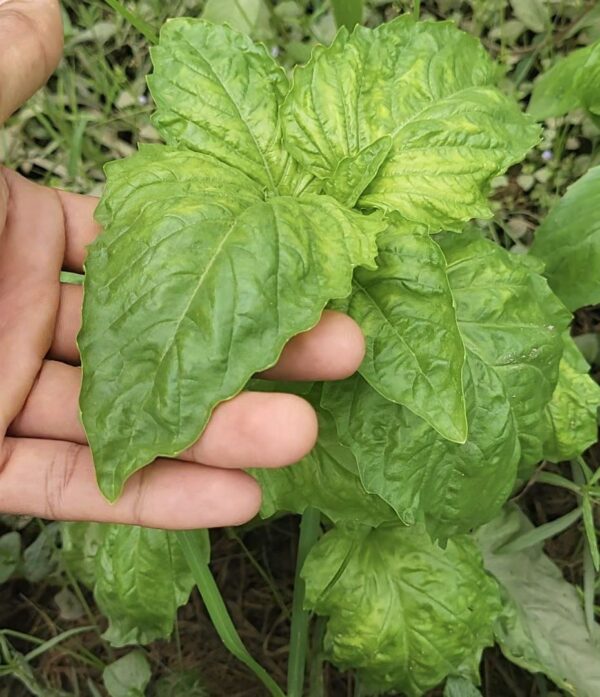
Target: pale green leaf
(533, 13)
(573, 409)
(327, 479)
(414, 351)
(219, 93)
(559, 90)
(508, 317)
(81, 543)
(542, 628)
(568, 242)
(428, 86)
(401, 610)
(196, 284)
(460, 687)
(128, 676)
(354, 173)
(588, 81)
(142, 579)
(252, 17)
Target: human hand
(46, 468)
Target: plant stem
(310, 528)
(347, 13)
(417, 9)
(217, 610)
(140, 24)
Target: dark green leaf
(195, 285)
(10, 554)
(415, 353)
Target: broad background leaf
(568, 242)
(560, 89)
(402, 611)
(543, 628)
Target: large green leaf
(326, 479)
(573, 409)
(402, 611)
(511, 325)
(428, 86)
(568, 242)
(196, 284)
(511, 320)
(402, 459)
(543, 627)
(142, 579)
(219, 93)
(414, 351)
(562, 88)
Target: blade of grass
(347, 13)
(590, 530)
(140, 24)
(557, 480)
(217, 610)
(51, 643)
(542, 533)
(310, 528)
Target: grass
(95, 109)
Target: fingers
(31, 37)
(56, 480)
(254, 429)
(80, 227)
(31, 253)
(332, 350)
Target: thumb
(31, 38)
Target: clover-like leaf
(402, 611)
(196, 284)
